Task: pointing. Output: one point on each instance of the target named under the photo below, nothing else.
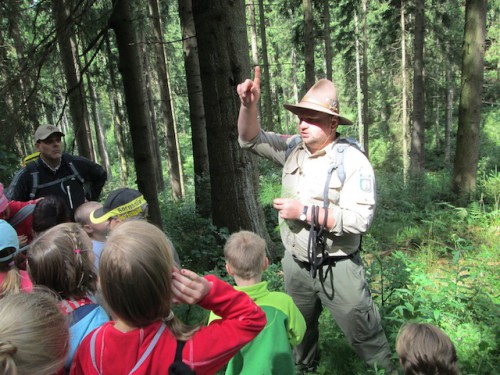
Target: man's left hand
(289, 209)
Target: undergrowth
(426, 260)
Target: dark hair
(49, 212)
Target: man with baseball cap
(327, 203)
(54, 172)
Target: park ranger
(327, 203)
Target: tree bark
(136, 102)
(359, 94)
(469, 110)
(153, 120)
(224, 63)
(364, 83)
(448, 114)
(118, 121)
(28, 108)
(253, 31)
(98, 127)
(308, 44)
(171, 143)
(417, 153)
(328, 40)
(71, 67)
(196, 110)
(266, 99)
(404, 94)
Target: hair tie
(77, 251)
(12, 264)
(170, 316)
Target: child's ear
(266, 264)
(88, 228)
(229, 270)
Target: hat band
(126, 211)
(333, 107)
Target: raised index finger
(256, 79)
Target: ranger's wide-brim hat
(322, 97)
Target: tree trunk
(437, 101)
(364, 83)
(266, 98)
(136, 102)
(404, 92)
(308, 43)
(417, 153)
(253, 31)
(118, 121)
(359, 94)
(148, 80)
(469, 110)
(196, 110)
(28, 107)
(328, 39)
(171, 143)
(71, 66)
(224, 63)
(448, 113)
(100, 134)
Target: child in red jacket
(139, 284)
(18, 214)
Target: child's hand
(23, 240)
(188, 287)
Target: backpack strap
(31, 167)
(294, 142)
(81, 312)
(22, 214)
(75, 172)
(35, 186)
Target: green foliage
(197, 241)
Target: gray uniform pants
(346, 295)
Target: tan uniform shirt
(304, 176)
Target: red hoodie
(115, 352)
(24, 227)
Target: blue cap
(8, 238)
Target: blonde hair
(82, 213)
(62, 260)
(12, 280)
(135, 273)
(245, 252)
(424, 349)
(34, 334)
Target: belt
(331, 260)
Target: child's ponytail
(7, 363)
(12, 281)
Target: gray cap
(45, 131)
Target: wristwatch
(303, 215)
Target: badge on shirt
(366, 182)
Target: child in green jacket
(271, 351)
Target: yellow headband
(125, 211)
